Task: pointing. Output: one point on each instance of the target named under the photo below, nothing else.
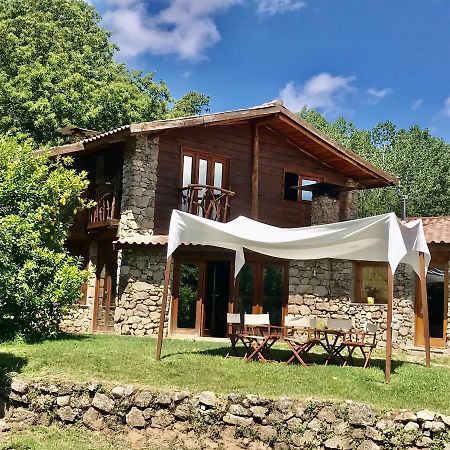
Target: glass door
(200, 297)
(206, 170)
(273, 291)
(262, 288)
(187, 298)
(437, 294)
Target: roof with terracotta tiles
(437, 229)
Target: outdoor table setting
(301, 335)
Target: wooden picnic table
(258, 345)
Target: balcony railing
(206, 201)
(106, 211)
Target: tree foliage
(57, 68)
(39, 281)
(419, 160)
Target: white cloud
(446, 110)
(187, 74)
(272, 7)
(184, 28)
(324, 92)
(375, 96)
(417, 104)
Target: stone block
(103, 402)
(135, 418)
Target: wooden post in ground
(390, 287)
(162, 317)
(424, 303)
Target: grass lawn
(56, 438)
(198, 366)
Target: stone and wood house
(265, 163)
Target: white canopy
(378, 238)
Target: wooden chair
(300, 337)
(259, 336)
(334, 333)
(365, 341)
(234, 332)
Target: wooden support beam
(424, 302)
(255, 172)
(390, 286)
(162, 317)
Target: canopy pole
(163, 308)
(424, 301)
(390, 288)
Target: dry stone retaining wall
(254, 422)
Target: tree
(57, 69)
(420, 161)
(39, 281)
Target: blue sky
(369, 61)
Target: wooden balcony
(206, 201)
(106, 212)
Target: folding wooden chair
(335, 332)
(259, 336)
(365, 340)
(234, 332)
(299, 336)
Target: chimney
(403, 202)
(76, 134)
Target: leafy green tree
(57, 69)
(39, 281)
(419, 160)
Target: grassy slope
(54, 438)
(198, 366)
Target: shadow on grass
(282, 355)
(9, 364)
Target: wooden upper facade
(253, 153)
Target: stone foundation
(78, 321)
(233, 420)
(141, 285)
(324, 288)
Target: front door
(105, 288)
(437, 292)
(201, 296)
(262, 288)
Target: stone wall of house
(138, 186)
(349, 207)
(209, 421)
(140, 290)
(79, 320)
(324, 288)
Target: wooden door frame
(199, 310)
(108, 283)
(418, 320)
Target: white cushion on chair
(340, 324)
(233, 318)
(371, 327)
(256, 319)
(294, 321)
